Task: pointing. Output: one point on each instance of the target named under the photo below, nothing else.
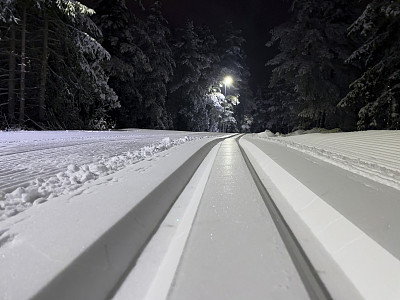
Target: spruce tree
(61, 83)
(313, 46)
(233, 63)
(122, 35)
(154, 84)
(191, 84)
(376, 93)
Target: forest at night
(128, 64)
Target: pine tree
(259, 112)
(128, 64)
(79, 84)
(7, 59)
(202, 63)
(154, 84)
(313, 46)
(56, 40)
(195, 57)
(376, 94)
(233, 63)
(214, 110)
(275, 109)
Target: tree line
(338, 66)
(65, 66)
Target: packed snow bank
(350, 263)
(38, 166)
(267, 133)
(373, 154)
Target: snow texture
(372, 154)
(39, 243)
(155, 269)
(328, 237)
(38, 166)
(234, 250)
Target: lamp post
(227, 82)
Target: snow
(38, 166)
(234, 250)
(153, 273)
(95, 178)
(267, 133)
(372, 154)
(40, 242)
(333, 213)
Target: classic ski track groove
(114, 239)
(311, 280)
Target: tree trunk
(11, 75)
(23, 69)
(394, 116)
(322, 121)
(43, 74)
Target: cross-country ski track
(181, 215)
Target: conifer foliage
(376, 93)
(51, 66)
(63, 66)
(141, 62)
(310, 72)
(198, 100)
(338, 66)
(194, 77)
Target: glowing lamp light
(228, 80)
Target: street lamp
(227, 82)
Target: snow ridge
(71, 177)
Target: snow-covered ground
(373, 154)
(39, 243)
(339, 194)
(332, 211)
(38, 166)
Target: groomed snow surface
(38, 166)
(373, 154)
(41, 242)
(343, 210)
(347, 224)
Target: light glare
(228, 80)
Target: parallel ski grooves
(85, 278)
(312, 282)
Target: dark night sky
(254, 17)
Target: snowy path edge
(337, 248)
(152, 276)
(365, 162)
(44, 241)
(120, 244)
